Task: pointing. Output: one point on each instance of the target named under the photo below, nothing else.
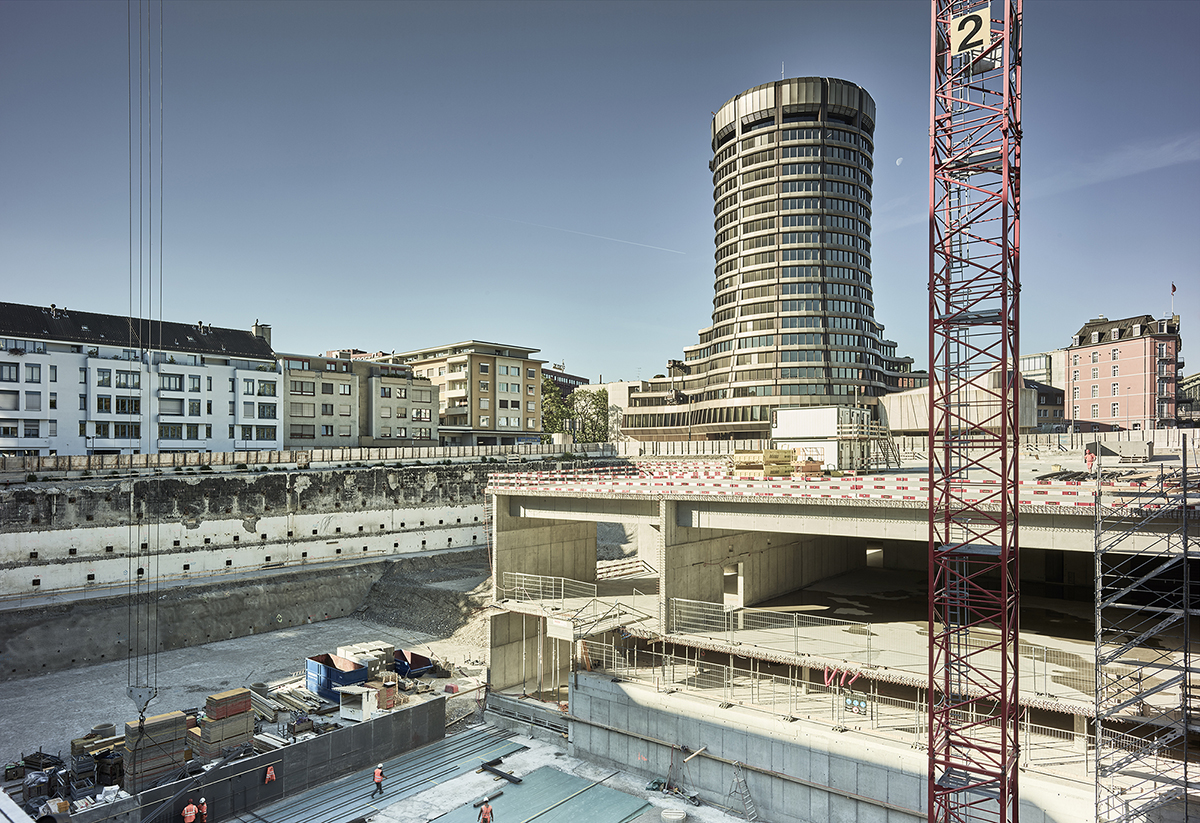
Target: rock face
(192, 499)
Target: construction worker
(203, 811)
(189, 812)
(486, 815)
(378, 780)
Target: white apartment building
(75, 382)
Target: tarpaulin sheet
(547, 795)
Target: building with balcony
(1122, 374)
(76, 382)
(489, 394)
(339, 402)
(793, 320)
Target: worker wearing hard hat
(189, 812)
(378, 780)
(203, 809)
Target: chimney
(262, 330)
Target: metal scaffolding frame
(974, 283)
(1147, 676)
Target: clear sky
(395, 175)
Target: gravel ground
(615, 541)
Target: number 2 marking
(971, 31)
(967, 43)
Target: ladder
(743, 792)
(487, 525)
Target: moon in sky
(899, 160)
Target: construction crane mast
(974, 287)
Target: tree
(590, 411)
(555, 412)
(584, 413)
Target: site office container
(324, 672)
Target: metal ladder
(743, 792)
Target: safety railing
(832, 700)
(789, 632)
(537, 587)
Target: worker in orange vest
(189, 812)
(486, 815)
(203, 811)
(378, 780)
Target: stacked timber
(226, 704)
(154, 750)
(228, 721)
(760, 465)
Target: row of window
(11, 373)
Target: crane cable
(142, 570)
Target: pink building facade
(1121, 374)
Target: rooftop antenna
(782, 76)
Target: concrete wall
(530, 545)
(797, 771)
(239, 787)
(692, 559)
(77, 535)
(521, 654)
(69, 634)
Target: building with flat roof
(793, 320)
(1048, 367)
(1122, 373)
(337, 402)
(490, 394)
(566, 383)
(78, 382)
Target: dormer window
(1115, 334)
(1137, 330)
(1162, 326)
(1095, 337)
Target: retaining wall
(797, 771)
(66, 635)
(239, 787)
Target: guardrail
(525, 711)
(530, 587)
(789, 632)
(833, 701)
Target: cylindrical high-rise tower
(793, 320)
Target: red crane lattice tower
(974, 205)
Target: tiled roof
(1105, 326)
(88, 328)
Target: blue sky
(396, 175)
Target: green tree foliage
(584, 413)
(589, 409)
(554, 411)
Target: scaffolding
(974, 283)
(1147, 675)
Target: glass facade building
(793, 321)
